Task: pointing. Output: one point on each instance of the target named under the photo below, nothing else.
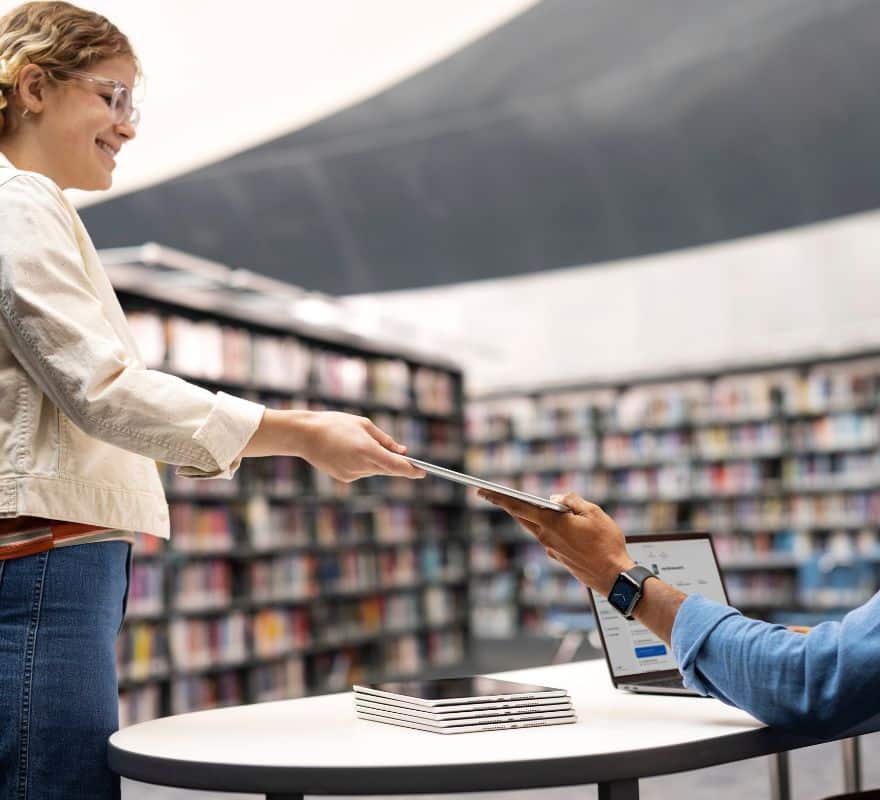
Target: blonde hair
(53, 35)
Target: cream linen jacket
(82, 420)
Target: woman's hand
(349, 447)
(346, 446)
(587, 541)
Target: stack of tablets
(462, 705)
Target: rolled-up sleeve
(822, 683)
(228, 428)
(53, 322)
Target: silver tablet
(467, 728)
(470, 480)
(435, 692)
(454, 723)
(490, 715)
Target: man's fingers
(531, 527)
(544, 535)
(517, 508)
(575, 503)
(560, 557)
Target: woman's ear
(32, 88)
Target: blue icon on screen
(651, 652)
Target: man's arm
(659, 607)
(591, 546)
(822, 684)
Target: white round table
(317, 745)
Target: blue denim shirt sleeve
(821, 683)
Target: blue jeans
(60, 613)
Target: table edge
(448, 778)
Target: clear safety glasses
(115, 93)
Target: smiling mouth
(106, 148)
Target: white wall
(800, 292)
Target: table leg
(619, 790)
(852, 765)
(780, 778)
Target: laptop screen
(686, 562)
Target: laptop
(638, 660)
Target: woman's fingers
(386, 440)
(385, 454)
(387, 463)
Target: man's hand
(587, 541)
(591, 546)
(346, 446)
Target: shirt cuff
(696, 619)
(225, 433)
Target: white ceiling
(223, 76)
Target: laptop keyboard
(674, 683)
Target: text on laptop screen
(686, 564)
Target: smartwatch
(627, 589)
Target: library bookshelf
(780, 462)
(283, 582)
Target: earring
(25, 113)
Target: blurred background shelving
(780, 463)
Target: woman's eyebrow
(110, 79)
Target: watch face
(622, 595)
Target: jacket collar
(5, 162)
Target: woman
(82, 420)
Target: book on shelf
(206, 642)
(191, 692)
(280, 363)
(494, 621)
(283, 577)
(142, 651)
(278, 680)
(434, 391)
(146, 589)
(139, 704)
(276, 631)
(204, 584)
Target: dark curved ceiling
(581, 131)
